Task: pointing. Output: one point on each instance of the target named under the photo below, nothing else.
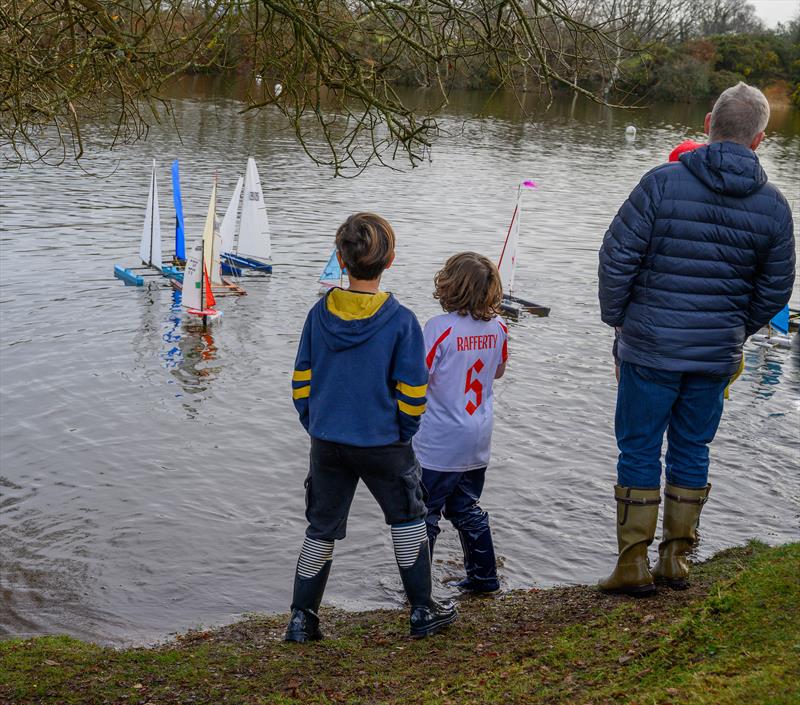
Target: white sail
(216, 265)
(150, 247)
(208, 229)
(193, 291)
(228, 228)
(508, 257)
(254, 239)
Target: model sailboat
(211, 254)
(175, 270)
(332, 274)
(511, 305)
(198, 298)
(253, 248)
(180, 233)
(150, 244)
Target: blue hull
(172, 272)
(234, 262)
(128, 277)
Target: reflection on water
(765, 367)
(171, 353)
(189, 353)
(152, 472)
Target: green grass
(733, 637)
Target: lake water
(152, 474)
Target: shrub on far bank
(705, 67)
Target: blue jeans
(457, 495)
(686, 405)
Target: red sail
(210, 301)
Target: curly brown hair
(366, 243)
(470, 284)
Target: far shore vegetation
(732, 638)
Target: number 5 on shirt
(474, 385)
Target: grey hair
(739, 114)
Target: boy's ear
(391, 259)
(340, 260)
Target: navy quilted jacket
(699, 257)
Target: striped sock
(407, 539)
(314, 555)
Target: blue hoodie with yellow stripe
(360, 376)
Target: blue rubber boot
(479, 562)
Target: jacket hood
(348, 319)
(726, 167)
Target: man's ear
(757, 140)
(391, 259)
(707, 124)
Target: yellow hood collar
(352, 305)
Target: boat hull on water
(235, 265)
(128, 276)
(514, 307)
(138, 276)
(205, 315)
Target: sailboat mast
(238, 226)
(517, 215)
(152, 211)
(202, 276)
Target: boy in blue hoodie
(359, 387)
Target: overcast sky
(774, 11)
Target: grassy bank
(733, 637)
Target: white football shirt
(462, 357)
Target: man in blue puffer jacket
(699, 257)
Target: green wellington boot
(637, 516)
(682, 507)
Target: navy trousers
(687, 406)
(456, 495)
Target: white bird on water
(630, 132)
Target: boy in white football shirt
(466, 350)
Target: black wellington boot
(304, 622)
(479, 562)
(427, 615)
